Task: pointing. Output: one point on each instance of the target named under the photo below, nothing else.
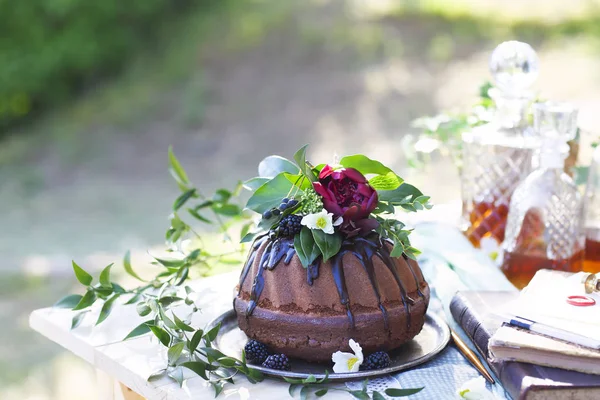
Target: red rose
(346, 193)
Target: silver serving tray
(432, 339)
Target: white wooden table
(131, 362)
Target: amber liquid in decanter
(520, 268)
(487, 219)
(530, 253)
(591, 262)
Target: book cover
(474, 312)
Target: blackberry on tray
(256, 352)
(277, 361)
(377, 360)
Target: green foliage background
(52, 48)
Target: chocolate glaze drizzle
(363, 248)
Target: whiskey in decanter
(544, 226)
(497, 156)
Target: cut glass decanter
(498, 155)
(544, 226)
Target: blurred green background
(93, 92)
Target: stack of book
(542, 343)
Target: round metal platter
(426, 345)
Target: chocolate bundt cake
(361, 293)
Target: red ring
(581, 301)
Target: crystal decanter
(591, 216)
(497, 156)
(544, 226)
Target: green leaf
(306, 247)
(176, 169)
(325, 378)
(321, 393)
(105, 277)
(139, 330)
(255, 183)
(199, 367)
(378, 396)
(167, 321)
(218, 386)
(177, 375)
(359, 394)
(87, 300)
(83, 277)
(329, 244)
(143, 309)
(157, 375)
(128, 268)
(171, 263)
(292, 389)
(212, 334)
(271, 166)
(106, 308)
(365, 165)
(183, 198)
(199, 217)
(69, 301)
(292, 380)
(227, 362)
(310, 379)
(402, 392)
(304, 393)
(269, 195)
(77, 319)
(182, 325)
(174, 352)
(195, 341)
(168, 300)
(389, 181)
(401, 195)
(300, 158)
(398, 250)
(229, 210)
(222, 196)
(161, 334)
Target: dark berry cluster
(290, 225)
(256, 352)
(285, 204)
(378, 360)
(277, 361)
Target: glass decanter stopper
(591, 216)
(544, 226)
(497, 156)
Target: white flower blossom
(348, 362)
(321, 220)
(474, 389)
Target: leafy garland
(155, 299)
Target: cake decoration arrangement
(330, 276)
(329, 262)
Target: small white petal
(356, 349)
(475, 389)
(340, 360)
(338, 221)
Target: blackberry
(378, 360)
(290, 225)
(256, 352)
(277, 361)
